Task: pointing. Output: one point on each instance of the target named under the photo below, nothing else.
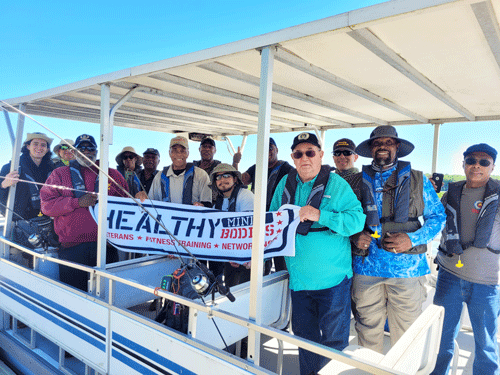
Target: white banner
(207, 233)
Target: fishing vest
(232, 199)
(77, 180)
(484, 224)
(402, 201)
(313, 200)
(187, 187)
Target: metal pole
(263, 131)
(103, 185)
(14, 166)
(9, 126)
(435, 147)
(115, 108)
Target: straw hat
(130, 149)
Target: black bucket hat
(385, 131)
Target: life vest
(402, 201)
(484, 224)
(314, 198)
(77, 180)
(25, 173)
(187, 187)
(232, 199)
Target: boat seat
(415, 353)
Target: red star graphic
(278, 213)
(139, 238)
(279, 231)
(280, 222)
(216, 245)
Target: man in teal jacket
(320, 271)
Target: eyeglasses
(298, 154)
(128, 156)
(87, 148)
(225, 175)
(343, 152)
(388, 143)
(65, 147)
(474, 161)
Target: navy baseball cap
(306, 138)
(481, 147)
(85, 138)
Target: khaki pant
(377, 298)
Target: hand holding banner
(209, 234)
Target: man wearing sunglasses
(390, 262)
(233, 197)
(74, 225)
(344, 157)
(469, 261)
(321, 270)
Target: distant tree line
(452, 178)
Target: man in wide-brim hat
(390, 262)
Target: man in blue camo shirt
(390, 262)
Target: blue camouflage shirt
(381, 263)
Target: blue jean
(483, 306)
(322, 316)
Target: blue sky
(48, 44)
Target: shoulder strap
(187, 187)
(77, 179)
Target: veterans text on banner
(207, 233)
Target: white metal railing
(211, 311)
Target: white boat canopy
(399, 62)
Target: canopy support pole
(115, 108)
(435, 147)
(9, 126)
(14, 166)
(263, 131)
(103, 185)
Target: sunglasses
(298, 154)
(129, 156)
(65, 147)
(474, 161)
(87, 148)
(388, 143)
(343, 152)
(225, 175)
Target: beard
(225, 188)
(383, 160)
(84, 162)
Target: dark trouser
(322, 316)
(217, 268)
(86, 254)
(235, 275)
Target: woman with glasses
(64, 153)
(129, 163)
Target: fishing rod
(222, 289)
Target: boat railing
(216, 310)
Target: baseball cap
(179, 141)
(344, 144)
(85, 138)
(306, 138)
(482, 147)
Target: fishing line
(213, 279)
(44, 184)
